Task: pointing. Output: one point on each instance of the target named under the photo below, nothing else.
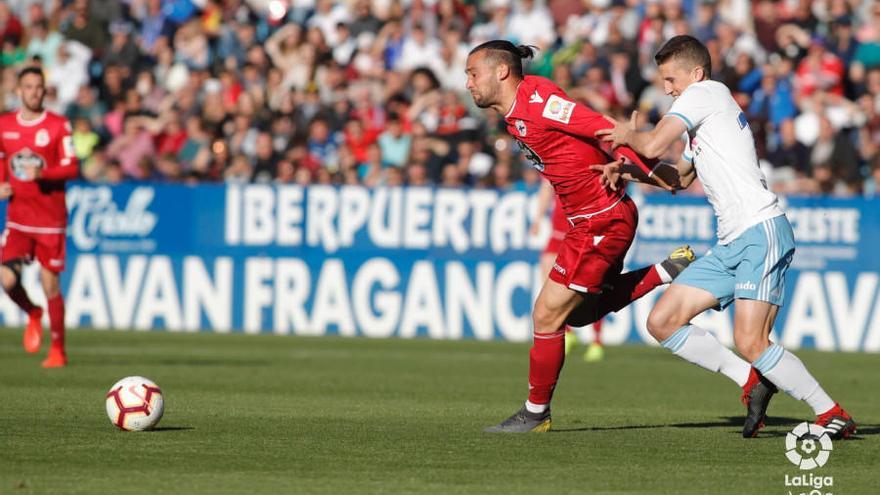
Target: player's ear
(698, 74)
(502, 71)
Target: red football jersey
(37, 206)
(558, 136)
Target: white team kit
(755, 241)
(755, 247)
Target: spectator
(44, 43)
(197, 139)
(500, 176)
(416, 175)
(472, 162)
(154, 25)
(790, 153)
(168, 168)
(122, 51)
(773, 102)
(132, 147)
(264, 159)
(394, 143)
(323, 144)
(239, 171)
(346, 45)
(820, 70)
(451, 176)
(833, 151)
(327, 16)
(497, 26)
(11, 29)
(85, 27)
(290, 53)
(363, 20)
(191, 46)
(85, 140)
(70, 71)
(531, 24)
(418, 50)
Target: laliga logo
(94, 214)
(808, 446)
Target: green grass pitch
(267, 414)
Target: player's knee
(661, 324)
(545, 318)
(51, 290)
(750, 346)
(542, 319)
(10, 273)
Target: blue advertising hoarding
(409, 262)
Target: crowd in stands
(372, 91)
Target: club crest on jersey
(23, 159)
(520, 128)
(42, 138)
(558, 109)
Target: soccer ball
(135, 403)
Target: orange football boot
(33, 332)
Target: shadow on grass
(161, 429)
(866, 430)
(726, 422)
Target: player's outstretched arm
(650, 144)
(578, 120)
(666, 176)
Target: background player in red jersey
(37, 158)
(559, 137)
(558, 228)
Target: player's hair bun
(526, 51)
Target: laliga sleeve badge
(558, 109)
(42, 138)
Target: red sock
(20, 297)
(597, 331)
(627, 287)
(545, 363)
(56, 321)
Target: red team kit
(37, 213)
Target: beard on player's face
(32, 99)
(481, 102)
(34, 104)
(485, 96)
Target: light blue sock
(699, 346)
(788, 373)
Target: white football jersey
(722, 149)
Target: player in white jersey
(755, 241)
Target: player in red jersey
(558, 228)
(559, 137)
(37, 158)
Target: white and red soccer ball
(135, 404)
